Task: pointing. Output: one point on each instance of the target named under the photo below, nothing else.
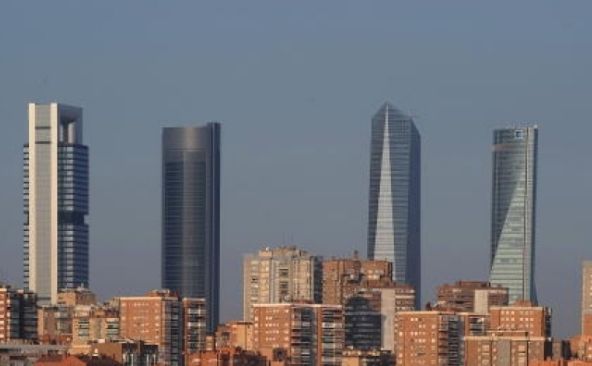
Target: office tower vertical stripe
(191, 214)
(513, 211)
(394, 195)
(55, 201)
(384, 219)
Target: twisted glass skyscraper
(513, 211)
(56, 201)
(394, 199)
(191, 214)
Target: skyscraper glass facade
(191, 214)
(394, 198)
(55, 201)
(513, 211)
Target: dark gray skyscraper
(513, 211)
(191, 214)
(56, 201)
(394, 200)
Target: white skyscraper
(55, 201)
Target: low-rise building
(428, 338)
(54, 324)
(353, 357)
(471, 296)
(581, 347)
(307, 334)
(94, 322)
(227, 357)
(18, 352)
(154, 318)
(560, 363)
(69, 360)
(177, 326)
(76, 296)
(194, 322)
(282, 274)
(522, 316)
(370, 299)
(506, 348)
(342, 278)
(235, 334)
(18, 314)
(128, 352)
(473, 323)
(370, 315)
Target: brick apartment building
(342, 278)
(370, 315)
(177, 326)
(506, 348)
(306, 334)
(235, 334)
(471, 296)
(18, 314)
(428, 338)
(523, 316)
(370, 299)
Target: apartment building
(283, 274)
(306, 334)
(428, 338)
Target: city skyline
(175, 134)
(296, 103)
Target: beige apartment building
(54, 324)
(283, 274)
(77, 296)
(91, 323)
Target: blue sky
(295, 85)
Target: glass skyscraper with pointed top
(394, 222)
(191, 214)
(512, 262)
